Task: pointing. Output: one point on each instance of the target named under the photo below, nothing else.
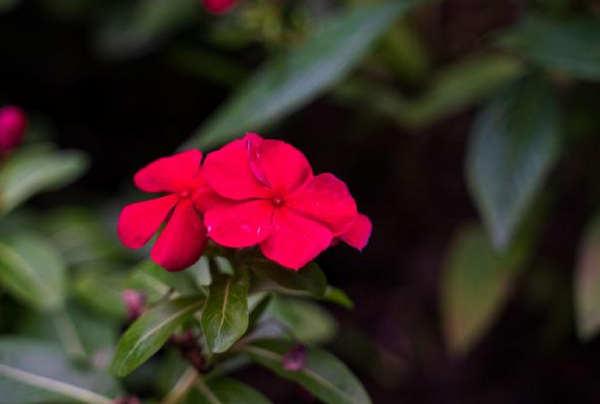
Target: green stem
(182, 387)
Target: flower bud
(134, 302)
(218, 6)
(13, 123)
(295, 359)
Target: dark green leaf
(37, 169)
(587, 283)
(324, 375)
(514, 143)
(33, 271)
(32, 372)
(571, 45)
(101, 291)
(148, 333)
(339, 297)
(223, 390)
(309, 279)
(288, 84)
(225, 315)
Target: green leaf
(291, 82)
(225, 315)
(587, 283)
(309, 279)
(36, 169)
(571, 45)
(33, 271)
(514, 143)
(32, 372)
(149, 333)
(101, 291)
(222, 390)
(475, 284)
(324, 375)
(339, 297)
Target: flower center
(185, 194)
(278, 200)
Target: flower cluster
(13, 123)
(251, 192)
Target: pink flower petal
(182, 241)
(203, 196)
(278, 164)
(218, 6)
(228, 172)
(169, 174)
(139, 221)
(359, 232)
(327, 200)
(239, 224)
(295, 240)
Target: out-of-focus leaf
(102, 291)
(324, 375)
(36, 169)
(136, 27)
(514, 143)
(461, 85)
(475, 284)
(149, 333)
(33, 271)
(309, 322)
(290, 82)
(225, 315)
(587, 283)
(405, 53)
(155, 281)
(310, 278)
(339, 297)
(33, 372)
(200, 272)
(222, 390)
(571, 45)
(7, 5)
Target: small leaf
(289, 83)
(514, 143)
(339, 297)
(225, 315)
(324, 375)
(587, 283)
(32, 372)
(222, 390)
(309, 279)
(475, 284)
(571, 45)
(149, 333)
(37, 169)
(33, 271)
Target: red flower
(218, 6)
(359, 232)
(274, 200)
(182, 241)
(13, 123)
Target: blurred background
(465, 129)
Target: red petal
(218, 6)
(239, 224)
(359, 232)
(278, 164)
(327, 200)
(204, 197)
(228, 172)
(170, 174)
(295, 240)
(182, 241)
(139, 221)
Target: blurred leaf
(587, 283)
(102, 291)
(475, 284)
(324, 375)
(287, 84)
(149, 333)
(223, 390)
(32, 372)
(404, 51)
(460, 85)
(514, 143)
(33, 271)
(572, 45)
(200, 272)
(155, 281)
(225, 315)
(309, 322)
(309, 279)
(136, 27)
(36, 169)
(339, 297)
(7, 5)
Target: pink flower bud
(218, 6)
(134, 302)
(13, 123)
(295, 359)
